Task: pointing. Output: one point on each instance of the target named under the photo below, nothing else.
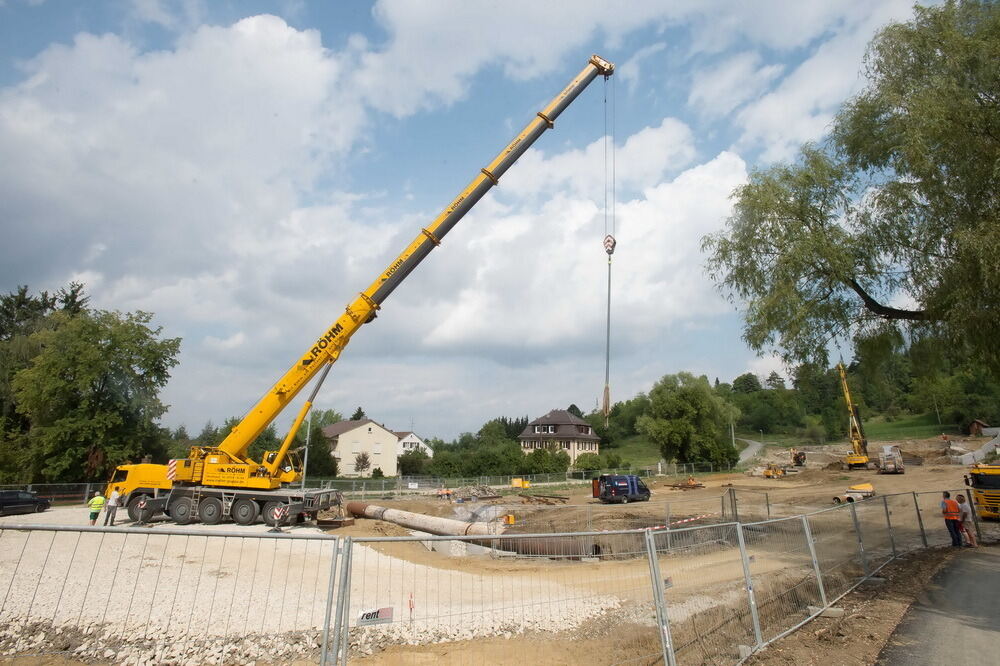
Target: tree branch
(885, 311)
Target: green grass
(636, 450)
(877, 429)
(922, 426)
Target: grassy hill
(878, 429)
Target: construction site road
(749, 453)
(954, 621)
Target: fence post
(345, 595)
(888, 523)
(767, 499)
(723, 513)
(329, 603)
(861, 540)
(812, 553)
(749, 585)
(668, 526)
(343, 616)
(658, 599)
(734, 504)
(920, 520)
(975, 515)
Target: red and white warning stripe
(681, 522)
(171, 469)
(280, 513)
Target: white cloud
(629, 71)
(801, 108)
(720, 89)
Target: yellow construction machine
(773, 471)
(858, 457)
(216, 482)
(984, 482)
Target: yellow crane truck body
(228, 465)
(984, 481)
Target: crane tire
(181, 510)
(244, 511)
(133, 507)
(210, 511)
(268, 513)
(625, 500)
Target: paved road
(956, 620)
(753, 448)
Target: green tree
(588, 461)
(774, 381)
(90, 395)
(574, 410)
(377, 473)
(747, 383)
(412, 463)
(362, 463)
(358, 414)
(899, 204)
(687, 421)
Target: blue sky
(242, 169)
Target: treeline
(79, 387)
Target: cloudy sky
(243, 169)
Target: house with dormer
(559, 430)
(347, 439)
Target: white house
(560, 431)
(347, 439)
(410, 441)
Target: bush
(377, 473)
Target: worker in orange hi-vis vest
(952, 518)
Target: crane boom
(859, 443)
(328, 347)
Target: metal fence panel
(128, 596)
(706, 594)
(494, 609)
(784, 578)
(837, 549)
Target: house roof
(340, 427)
(567, 427)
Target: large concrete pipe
(573, 547)
(422, 522)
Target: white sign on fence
(413, 486)
(380, 616)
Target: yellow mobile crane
(984, 481)
(214, 482)
(858, 457)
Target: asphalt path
(956, 619)
(753, 448)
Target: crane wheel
(268, 512)
(181, 510)
(245, 511)
(210, 511)
(133, 507)
(625, 500)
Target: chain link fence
(692, 594)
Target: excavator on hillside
(218, 482)
(858, 457)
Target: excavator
(218, 482)
(858, 457)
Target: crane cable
(609, 239)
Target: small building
(560, 430)
(348, 439)
(409, 441)
(976, 428)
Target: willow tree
(890, 226)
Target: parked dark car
(21, 501)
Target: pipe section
(422, 522)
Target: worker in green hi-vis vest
(96, 503)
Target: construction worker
(966, 526)
(112, 507)
(952, 514)
(95, 504)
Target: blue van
(620, 488)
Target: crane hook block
(609, 244)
